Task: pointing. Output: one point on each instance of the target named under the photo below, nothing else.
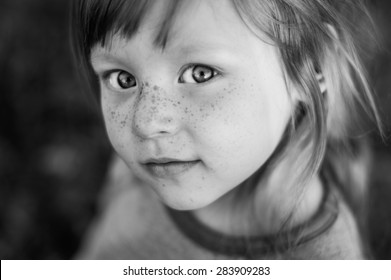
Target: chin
(185, 203)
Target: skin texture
(229, 124)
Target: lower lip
(171, 169)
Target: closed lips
(167, 168)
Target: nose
(156, 113)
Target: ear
(319, 75)
(321, 82)
(296, 97)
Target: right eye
(197, 74)
(121, 80)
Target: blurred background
(54, 150)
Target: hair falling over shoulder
(319, 42)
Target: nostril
(163, 132)
(147, 124)
(156, 112)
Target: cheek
(117, 119)
(244, 123)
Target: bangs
(100, 20)
(95, 22)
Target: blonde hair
(320, 38)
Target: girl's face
(198, 118)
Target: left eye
(121, 80)
(197, 74)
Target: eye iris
(202, 74)
(125, 80)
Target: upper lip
(164, 160)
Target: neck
(274, 203)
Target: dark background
(54, 151)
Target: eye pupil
(202, 74)
(126, 80)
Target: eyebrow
(182, 50)
(190, 48)
(101, 60)
(176, 48)
(106, 56)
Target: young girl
(234, 120)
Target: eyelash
(108, 76)
(193, 66)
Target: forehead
(190, 17)
(188, 26)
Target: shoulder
(341, 241)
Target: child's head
(199, 95)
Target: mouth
(166, 167)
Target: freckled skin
(231, 124)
